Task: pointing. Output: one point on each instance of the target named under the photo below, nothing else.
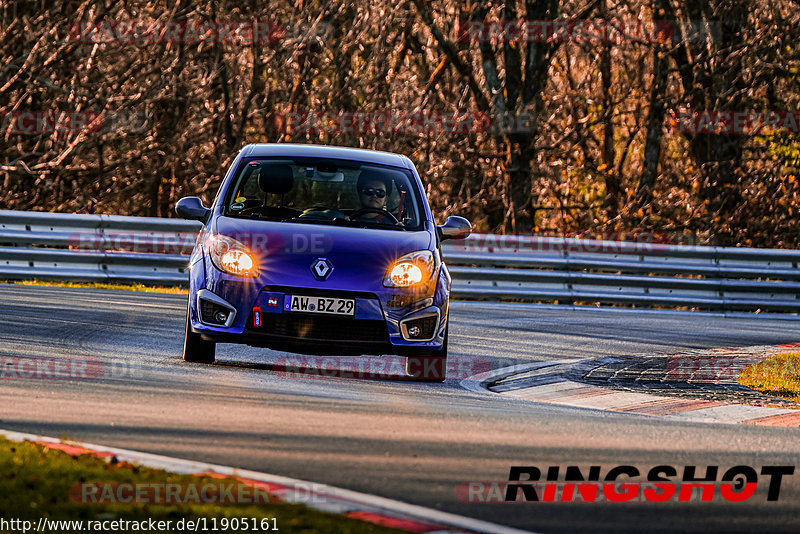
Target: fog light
(213, 310)
(420, 328)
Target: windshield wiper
(345, 222)
(381, 225)
(316, 220)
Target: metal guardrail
(93, 248)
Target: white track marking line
(330, 493)
(728, 413)
(477, 383)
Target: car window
(325, 192)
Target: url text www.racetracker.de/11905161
(201, 524)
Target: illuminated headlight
(231, 256)
(411, 270)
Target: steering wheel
(358, 213)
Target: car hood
(286, 252)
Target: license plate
(298, 303)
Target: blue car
(321, 250)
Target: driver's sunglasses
(371, 192)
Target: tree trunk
(611, 201)
(655, 118)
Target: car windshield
(324, 191)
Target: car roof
(324, 151)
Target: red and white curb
(552, 385)
(355, 505)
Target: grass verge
(777, 375)
(101, 285)
(43, 482)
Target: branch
(513, 61)
(449, 49)
(489, 64)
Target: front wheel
(428, 366)
(195, 348)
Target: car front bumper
(380, 324)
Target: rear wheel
(195, 348)
(428, 366)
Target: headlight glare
(405, 274)
(237, 262)
(231, 256)
(411, 270)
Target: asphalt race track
(408, 441)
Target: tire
(195, 348)
(428, 366)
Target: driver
(373, 192)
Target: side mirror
(192, 208)
(454, 228)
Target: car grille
(321, 328)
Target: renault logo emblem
(321, 269)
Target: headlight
(410, 270)
(230, 256)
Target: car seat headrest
(276, 179)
